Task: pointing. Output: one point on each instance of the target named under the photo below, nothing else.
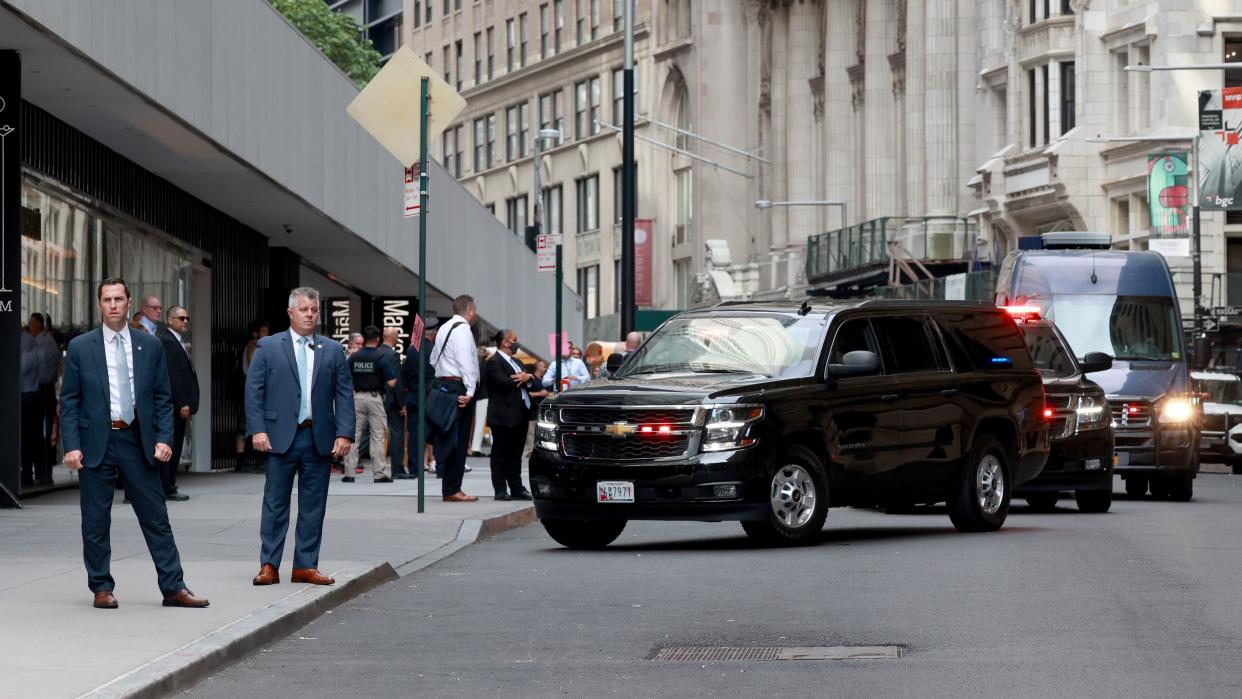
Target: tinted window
(985, 340)
(772, 344)
(1050, 356)
(908, 345)
(854, 336)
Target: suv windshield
(1051, 357)
(1126, 327)
(774, 344)
(1222, 391)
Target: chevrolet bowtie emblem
(620, 429)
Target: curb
(184, 667)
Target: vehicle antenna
(805, 308)
(1094, 279)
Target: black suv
(770, 413)
(1080, 457)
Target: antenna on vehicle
(805, 308)
(1094, 279)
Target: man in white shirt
(571, 368)
(456, 365)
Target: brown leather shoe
(312, 576)
(104, 599)
(460, 497)
(185, 598)
(268, 575)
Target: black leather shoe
(502, 496)
(524, 495)
(383, 480)
(402, 476)
(347, 479)
(176, 497)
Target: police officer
(373, 374)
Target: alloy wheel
(990, 484)
(793, 496)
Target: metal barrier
(980, 286)
(868, 243)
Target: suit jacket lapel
(286, 341)
(135, 355)
(316, 345)
(101, 365)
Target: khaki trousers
(369, 411)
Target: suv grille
(1128, 413)
(607, 416)
(1063, 407)
(597, 446)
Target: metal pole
(560, 276)
(424, 111)
(629, 180)
(1196, 257)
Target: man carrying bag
(450, 400)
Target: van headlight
(1091, 412)
(1177, 409)
(545, 429)
(729, 427)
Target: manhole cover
(716, 654)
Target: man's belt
(448, 378)
(304, 423)
(122, 425)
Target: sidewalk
(54, 644)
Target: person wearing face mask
(508, 413)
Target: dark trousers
(396, 444)
(168, 469)
(451, 449)
(142, 486)
(508, 443)
(313, 471)
(34, 446)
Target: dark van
(770, 413)
(1122, 304)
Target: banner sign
(337, 314)
(1220, 158)
(397, 312)
(642, 262)
(1168, 199)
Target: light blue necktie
(304, 405)
(122, 380)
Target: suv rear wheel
(579, 534)
(1042, 502)
(1094, 501)
(981, 502)
(798, 499)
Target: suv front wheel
(981, 501)
(798, 499)
(578, 534)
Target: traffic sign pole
(424, 195)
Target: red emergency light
(1022, 314)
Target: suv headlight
(545, 429)
(729, 427)
(1091, 412)
(1178, 410)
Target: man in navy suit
(300, 411)
(116, 416)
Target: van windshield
(1126, 327)
(772, 345)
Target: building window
(515, 215)
(684, 182)
(1067, 97)
(1044, 74)
(418, 13)
(618, 94)
(510, 44)
(550, 114)
(491, 53)
(522, 39)
(676, 24)
(588, 204)
(448, 7)
(448, 73)
(491, 208)
(618, 15)
(580, 22)
(1066, 7)
(517, 130)
(461, 52)
(588, 288)
(543, 31)
(586, 108)
(446, 150)
(1031, 108)
(457, 5)
(553, 211)
(491, 139)
(681, 282)
(480, 145)
(559, 27)
(427, 59)
(478, 57)
(616, 286)
(1034, 4)
(428, 11)
(594, 19)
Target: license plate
(614, 491)
(1121, 458)
(1093, 464)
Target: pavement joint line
(192, 662)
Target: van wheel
(1159, 487)
(579, 534)
(1181, 487)
(1235, 465)
(798, 500)
(1136, 486)
(981, 502)
(1094, 501)
(1042, 502)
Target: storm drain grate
(715, 654)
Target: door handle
(889, 397)
(949, 392)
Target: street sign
(545, 251)
(413, 202)
(388, 106)
(1227, 311)
(1210, 325)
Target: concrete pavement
(54, 644)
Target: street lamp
(540, 136)
(766, 204)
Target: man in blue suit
(116, 416)
(300, 411)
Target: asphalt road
(1140, 602)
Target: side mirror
(614, 362)
(1095, 361)
(857, 363)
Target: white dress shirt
(574, 369)
(310, 365)
(114, 390)
(517, 369)
(459, 358)
(149, 324)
